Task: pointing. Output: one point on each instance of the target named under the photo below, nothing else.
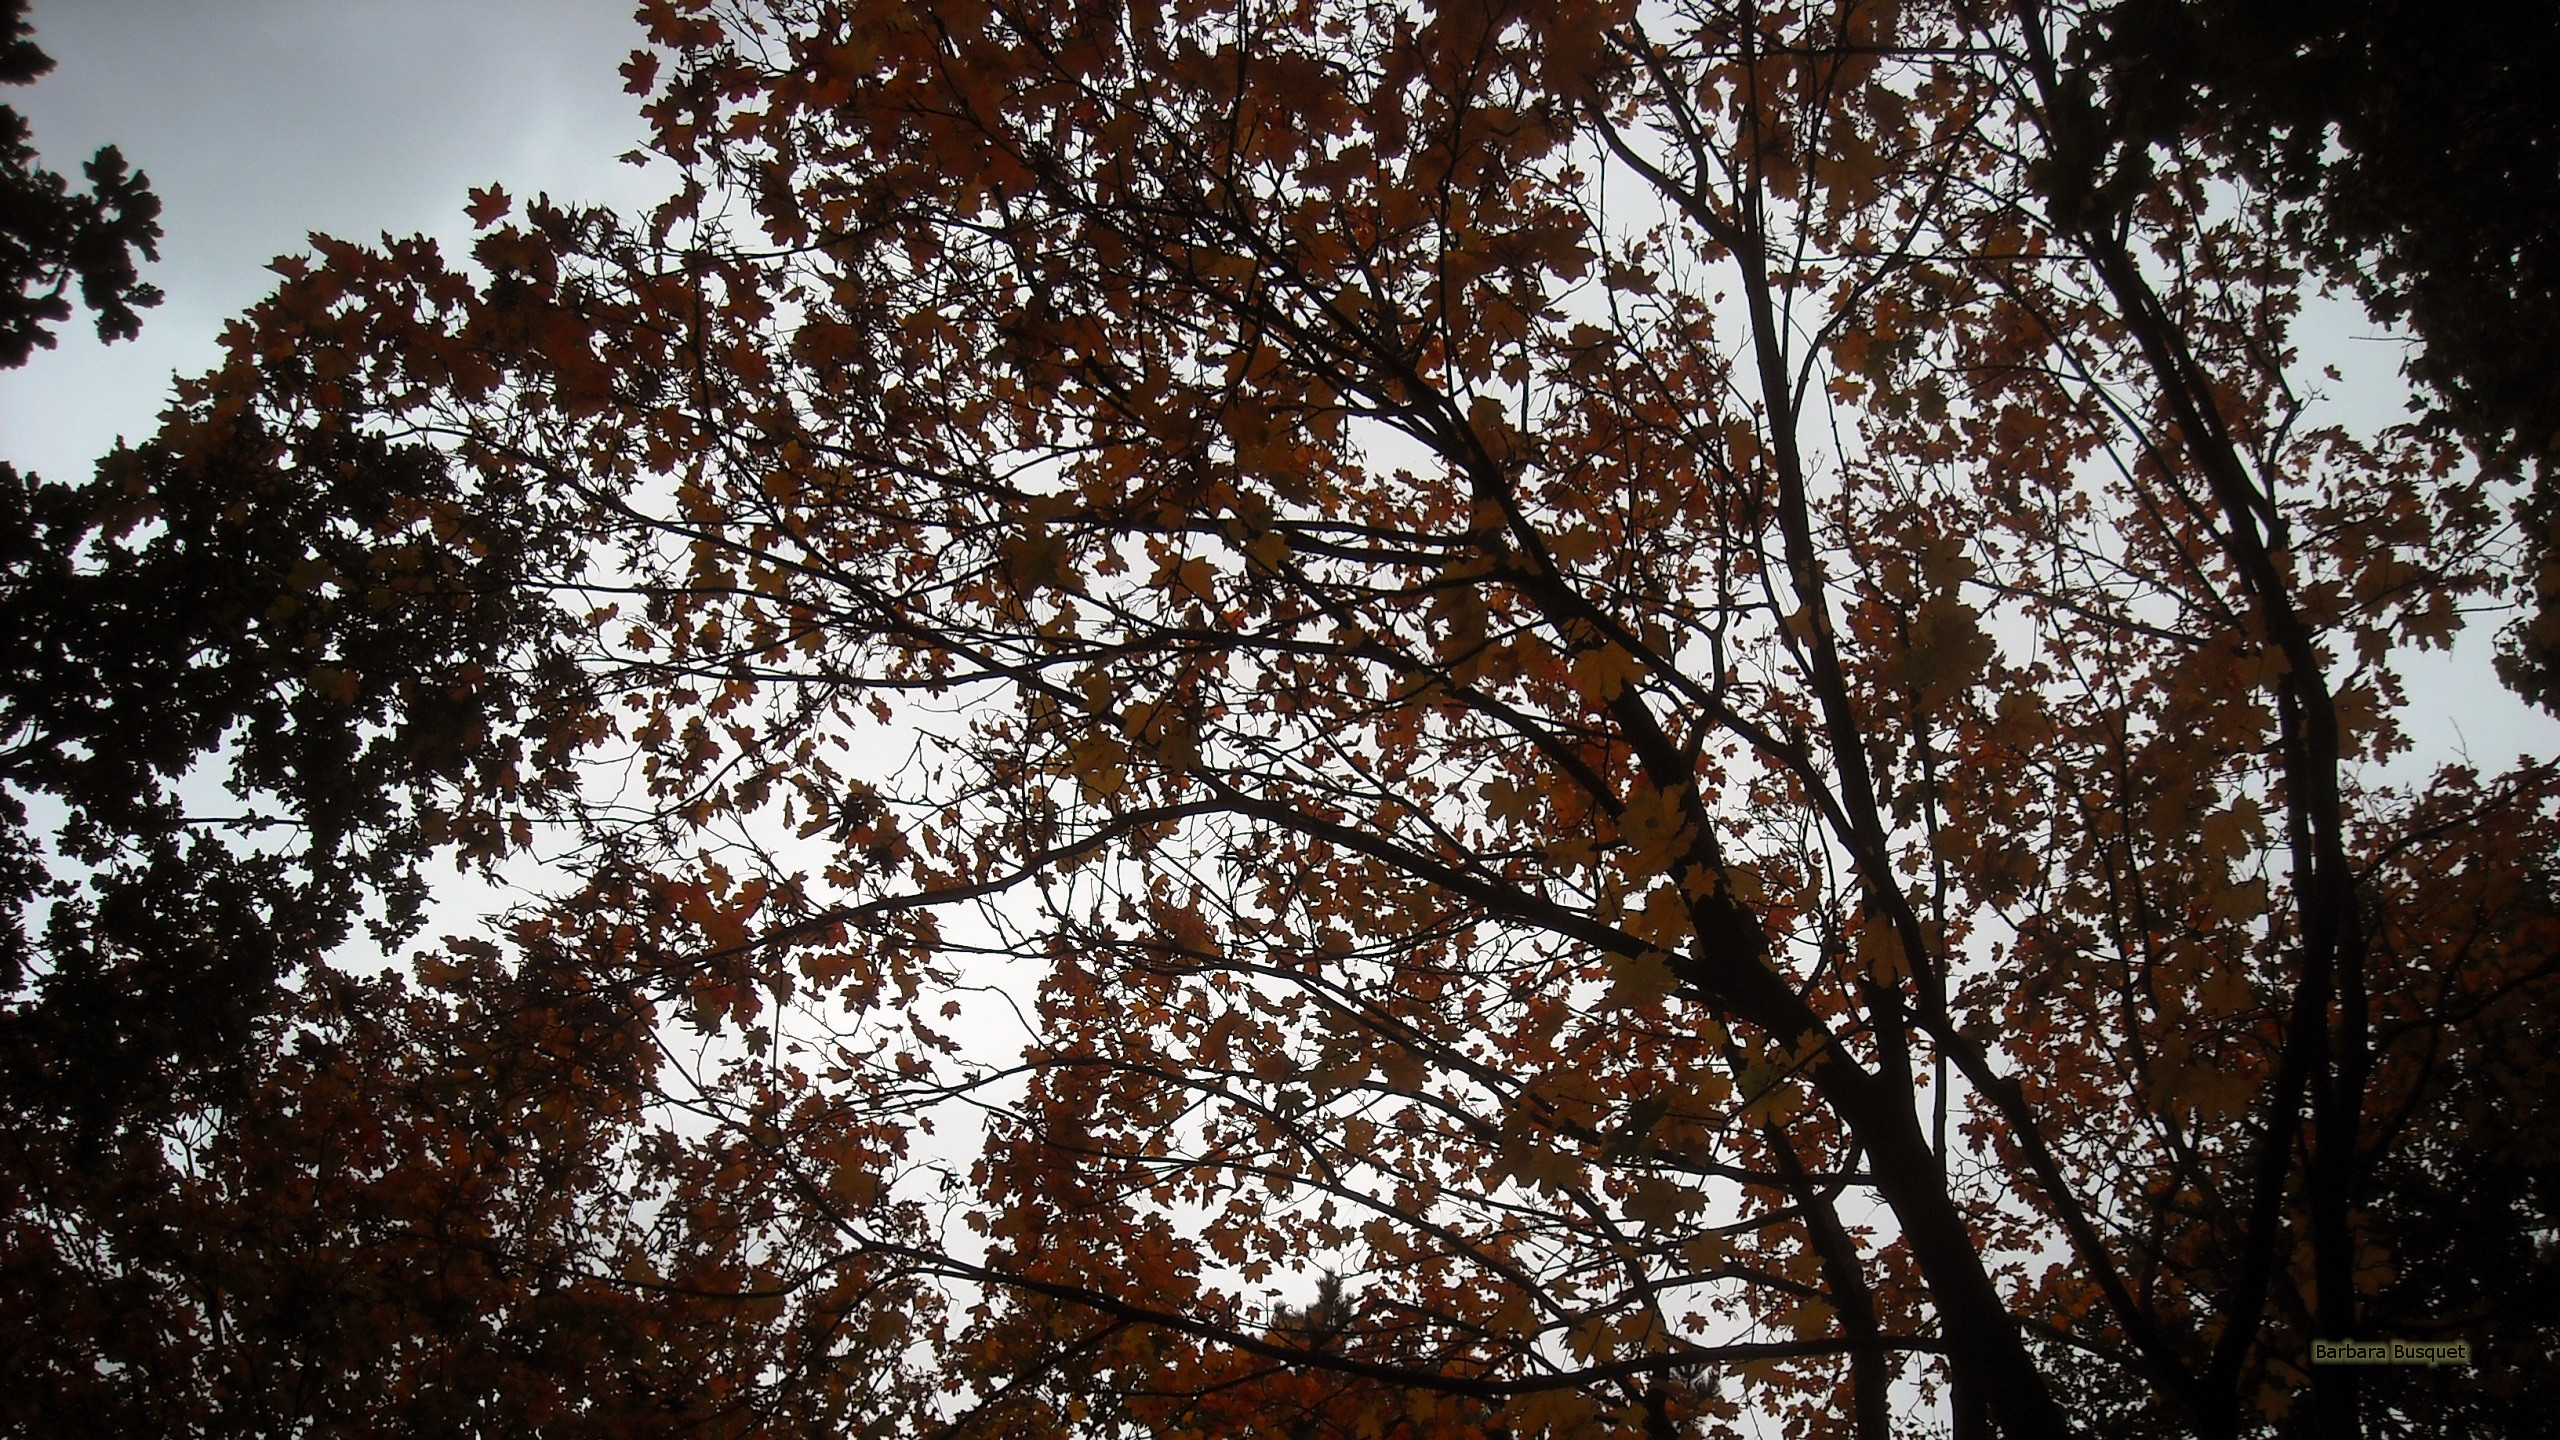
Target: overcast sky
(260, 121)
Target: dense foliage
(1301, 720)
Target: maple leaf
(488, 206)
(1644, 978)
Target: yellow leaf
(1197, 577)
(1640, 979)
(1809, 1320)
(1598, 675)
(2246, 900)
(1659, 1202)
(1707, 1251)
(1576, 546)
(1404, 1069)
(1744, 882)
(2226, 992)
(1035, 560)
(1712, 1092)
(1880, 950)
(1096, 763)
(1655, 829)
(1664, 921)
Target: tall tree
(241, 1191)
(335, 629)
(1672, 690)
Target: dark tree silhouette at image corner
(2414, 153)
(56, 241)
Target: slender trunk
(1986, 1354)
(2326, 1053)
(2324, 1058)
(1983, 1339)
(1870, 1368)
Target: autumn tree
(1684, 692)
(262, 672)
(262, 682)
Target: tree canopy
(1305, 720)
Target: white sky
(259, 121)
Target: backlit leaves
(1652, 698)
